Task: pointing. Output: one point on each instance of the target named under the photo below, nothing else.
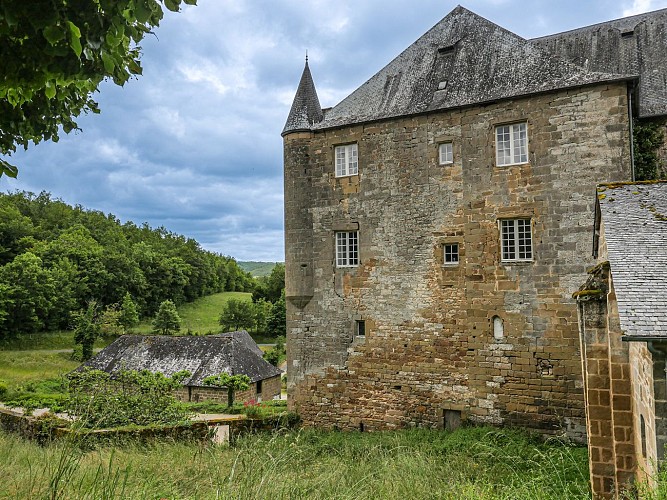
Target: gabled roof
(201, 356)
(632, 45)
(244, 338)
(634, 216)
(463, 60)
(306, 109)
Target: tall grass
(467, 464)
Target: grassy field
(470, 463)
(23, 368)
(257, 269)
(200, 316)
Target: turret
(306, 110)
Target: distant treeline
(54, 258)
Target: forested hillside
(55, 258)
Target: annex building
(438, 221)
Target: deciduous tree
(167, 321)
(55, 54)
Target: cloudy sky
(194, 144)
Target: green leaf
(53, 34)
(50, 90)
(75, 38)
(108, 61)
(172, 5)
(134, 67)
(142, 10)
(8, 169)
(190, 2)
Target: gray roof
(635, 228)
(244, 338)
(463, 60)
(306, 109)
(632, 45)
(201, 356)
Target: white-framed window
(516, 240)
(347, 248)
(445, 153)
(450, 254)
(347, 160)
(511, 144)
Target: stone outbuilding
(623, 332)
(235, 353)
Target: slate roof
(201, 356)
(631, 45)
(635, 228)
(306, 109)
(463, 60)
(245, 339)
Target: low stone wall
(47, 428)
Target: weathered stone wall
(429, 347)
(270, 389)
(644, 408)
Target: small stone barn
(623, 333)
(234, 353)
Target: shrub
(130, 397)
(4, 387)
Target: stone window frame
(515, 249)
(448, 148)
(454, 252)
(346, 159)
(347, 248)
(510, 156)
(360, 328)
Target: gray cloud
(194, 144)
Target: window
(347, 162)
(498, 328)
(347, 248)
(450, 254)
(516, 239)
(360, 328)
(446, 154)
(511, 144)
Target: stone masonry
(429, 356)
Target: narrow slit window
(360, 328)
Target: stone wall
(429, 350)
(271, 389)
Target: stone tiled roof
(201, 356)
(631, 45)
(245, 339)
(306, 109)
(463, 60)
(635, 229)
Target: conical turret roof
(306, 109)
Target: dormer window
(347, 162)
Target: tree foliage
(648, 138)
(87, 329)
(270, 287)
(238, 314)
(55, 54)
(167, 321)
(129, 316)
(277, 322)
(55, 258)
(233, 383)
